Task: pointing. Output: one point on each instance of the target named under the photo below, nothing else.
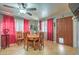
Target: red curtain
(9, 23)
(50, 29)
(40, 25)
(26, 25)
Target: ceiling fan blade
(29, 13)
(21, 6)
(24, 5)
(9, 6)
(31, 9)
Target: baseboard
(13, 44)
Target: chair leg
(39, 46)
(43, 45)
(17, 42)
(24, 46)
(34, 45)
(27, 46)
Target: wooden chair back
(19, 38)
(41, 35)
(19, 35)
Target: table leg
(34, 45)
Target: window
(44, 26)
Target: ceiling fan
(22, 6)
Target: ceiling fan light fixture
(22, 11)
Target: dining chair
(41, 34)
(19, 37)
(25, 38)
(29, 43)
(37, 44)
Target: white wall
(78, 32)
(42, 23)
(44, 28)
(75, 23)
(54, 29)
(0, 29)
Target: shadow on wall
(74, 7)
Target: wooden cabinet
(4, 41)
(65, 30)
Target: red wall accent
(40, 25)
(50, 29)
(26, 25)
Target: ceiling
(43, 10)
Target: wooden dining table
(34, 38)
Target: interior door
(65, 30)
